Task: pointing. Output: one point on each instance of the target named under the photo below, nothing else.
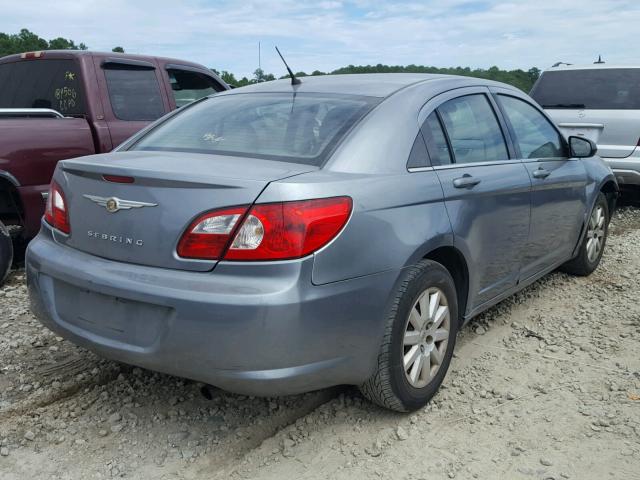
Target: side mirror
(580, 147)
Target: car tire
(6, 253)
(594, 240)
(398, 383)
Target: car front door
(486, 191)
(558, 198)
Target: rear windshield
(42, 83)
(300, 128)
(604, 89)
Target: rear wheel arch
(611, 191)
(11, 210)
(455, 263)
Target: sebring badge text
(115, 238)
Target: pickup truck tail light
(56, 213)
(269, 231)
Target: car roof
(369, 84)
(593, 66)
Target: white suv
(600, 102)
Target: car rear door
(131, 93)
(558, 198)
(486, 191)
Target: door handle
(541, 173)
(466, 181)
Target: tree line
(27, 41)
(519, 78)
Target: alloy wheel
(426, 337)
(595, 233)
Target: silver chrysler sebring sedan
(286, 237)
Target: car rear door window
(436, 140)
(188, 86)
(42, 83)
(134, 93)
(473, 130)
(418, 157)
(535, 136)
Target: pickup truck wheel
(6, 253)
(418, 341)
(592, 246)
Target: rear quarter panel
(396, 220)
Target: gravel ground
(546, 385)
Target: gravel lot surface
(546, 385)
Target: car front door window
(534, 134)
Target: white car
(600, 102)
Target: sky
(328, 34)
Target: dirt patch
(544, 385)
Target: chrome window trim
(510, 161)
(420, 169)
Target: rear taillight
(278, 231)
(271, 231)
(56, 213)
(208, 236)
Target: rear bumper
(626, 170)
(257, 329)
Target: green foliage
(518, 78)
(64, 44)
(117, 50)
(259, 76)
(27, 41)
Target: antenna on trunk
(294, 80)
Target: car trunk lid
(142, 222)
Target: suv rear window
(603, 88)
(300, 128)
(42, 83)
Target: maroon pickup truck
(63, 104)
